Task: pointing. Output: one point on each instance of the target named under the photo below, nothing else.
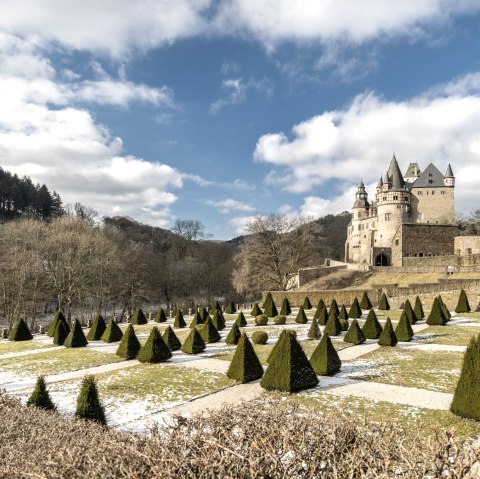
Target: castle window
(430, 175)
(384, 198)
(442, 192)
(420, 193)
(388, 216)
(397, 242)
(430, 182)
(433, 192)
(395, 197)
(406, 198)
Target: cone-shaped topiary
(354, 334)
(322, 315)
(53, 324)
(171, 339)
(197, 320)
(445, 310)
(465, 399)
(270, 309)
(218, 320)
(388, 336)
(161, 317)
(179, 321)
(275, 346)
(20, 332)
(97, 329)
(203, 313)
(301, 316)
(383, 305)
(88, 402)
(113, 333)
(410, 312)
(372, 329)
(245, 365)
(462, 306)
(280, 319)
(40, 396)
(231, 309)
(343, 313)
(404, 331)
(436, 316)
(209, 332)
(194, 343)
(234, 335)
(355, 310)
(320, 305)
(314, 331)
(215, 307)
(61, 333)
(365, 303)
(241, 321)
(130, 345)
(290, 369)
(256, 311)
(333, 326)
(139, 317)
(285, 309)
(344, 324)
(306, 303)
(155, 350)
(76, 338)
(418, 309)
(334, 306)
(325, 360)
(261, 320)
(268, 300)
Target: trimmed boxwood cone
(209, 332)
(234, 335)
(270, 309)
(231, 309)
(306, 303)
(290, 369)
(275, 346)
(320, 305)
(241, 321)
(97, 329)
(268, 300)
(218, 320)
(343, 313)
(445, 310)
(280, 319)
(322, 316)
(245, 365)
(130, 345)
(285, 309)
(383, 305)
(215, 307)
(155, 350)
(355, 310)
(314, 331)
(388, 336)
(325, 360)
(344, 324)
(410, 312)
(20, 332)
(404, 331)
(372, 329)
(465, 399)
(203, 313)
(61, 333)
(53, 324)
(75, 338)
(171, 339)
(333, 326)
(88, 402)
(179, 321)
(194, 343)
(418, 309)
(436, 316)
(301, 316)
(462, 306)
(40, 396)
(197, 320)
(256, 311)
(113, 333)
(160, 317)
(365, 303)
(334, 306)
(354, 334)
(139, 317)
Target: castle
(412, 215)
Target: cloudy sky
(218, 110)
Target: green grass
(452, 335)
(432, 370)
(473, 317)
(20, 346)
(393, 314)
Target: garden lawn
(452, 335)
(21, 346)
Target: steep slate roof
(412, 170)
(449, 173)
(380, 183)
(429, 178)
(394, 174)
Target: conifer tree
(209, 332)
(171, 339)
(404, 331)
(194, 343)
(161, 317)
(306, 303)
(88, 402)
(462, 306)
(343, 313)
(215, 307)
(113, 333)
(344, 324)
(285, 309)
(40, 396)
(445, 310)
(231, 309)
(388, 337)
(197, 320)
(354, 334)
(383, 305)
(203, 313)
(372, 329)
(333, 326)
(245, 365)
(61, 333)
(155, 350)
(268, 300)
(76, 338)
(241, 321)
(275, 346)
(465, 399)
(436, 316)
(179, 320)
(139, 317)
(97, 329)
(301, 316)
(53, 324)
(234, 335)
(218, 320)
(365, 303)
(256, 311)
(322, 316)
(129, 345)
(290, 369)
(314, 331)
(270, 309)
(20, 332)
(355, 310)
(418, 309)
(325, 360)
(320, 305)
(334, 306)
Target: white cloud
(240, 223)
(229, 205)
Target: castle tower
(449, 178)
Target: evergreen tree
(218, 320)
(325, 360)
(20, 332)
(320, 305)
(203, 313)
(113, 333)
(129, 345)
(241, 321)
(88, 402)
(314, 331)
(256, 311)
(355, 310)
(290, 369)
(97, 329)
(301, 316)
(209, 332)
(404, 331)
(76, 338)
(343, 313)
(333, 326)
(155, 350)
(161, 317)
(40, 396)
(53, 324)
(306, 303)
(462, 306)
(139, 317)
(171, 339)
(215, 307)
(354, 334)
(322, 316)
(418, 309)
(334, 306)
(383, 305)
(344, 324)
(270, 309)
(436, 316)
(445, 310)
(286, 309)
(234, 335)
(465, 399)
(275, 346)
(197, 320)
(194, 343)
(179, 321)
(268, 300)
(372, 329)
(388, 336)
(231, 309)
(365, 303)
(245, 365)
(61, 333)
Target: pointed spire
(394, 173)
(380, 182)
(449, 173)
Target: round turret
(449, 178)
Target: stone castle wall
(433, 205)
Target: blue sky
(222, 110)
